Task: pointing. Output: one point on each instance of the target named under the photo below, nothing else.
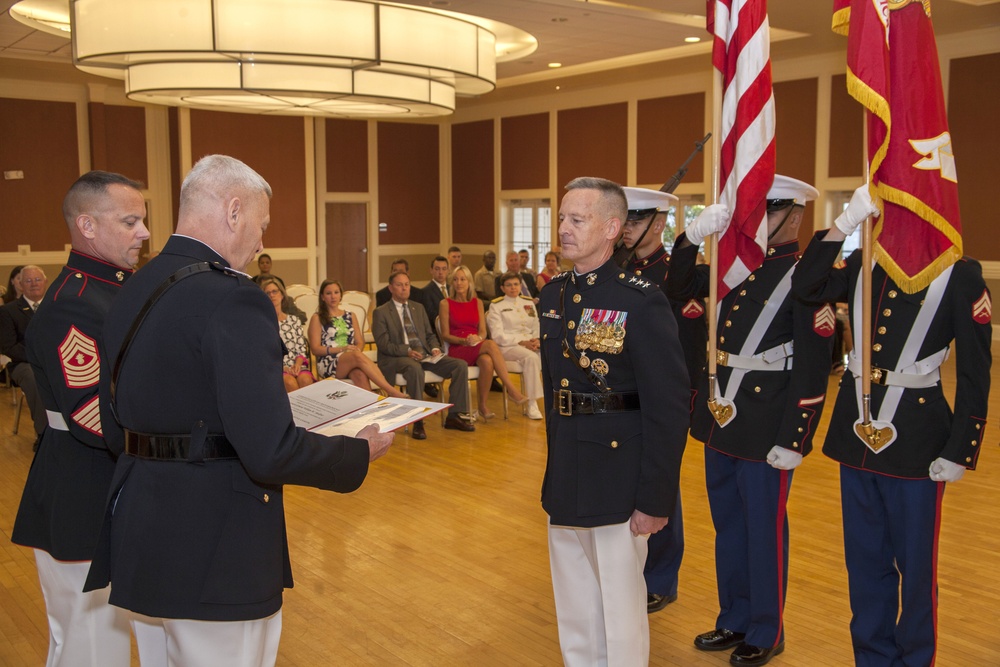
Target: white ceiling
(585, 36)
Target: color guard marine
(893, 476)
(773, 364)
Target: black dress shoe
(751, 656)
(418, 432)
(431, 390)
(718, 640)
(459, 424)
(656, 602)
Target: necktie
(411, 330)
(444, 291)
(34, 306)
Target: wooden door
(347, 245)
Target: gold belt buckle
(878, 376)
(722, 358)
(565, 402)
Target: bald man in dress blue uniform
(773, 358)
(615, 431)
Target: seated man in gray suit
(404, 337)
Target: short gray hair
(221, 173)
(613, 198)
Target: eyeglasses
(32, 281)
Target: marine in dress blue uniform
(616, 403)
(891, 497)
(63, 502)
(648, 211)
(195, 528)
(773, 364)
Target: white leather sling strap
(909, 372)
(760, 327)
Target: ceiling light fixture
(293, 57)
(51, 16)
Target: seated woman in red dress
(463, 327)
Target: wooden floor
(441, 559)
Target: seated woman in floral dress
(333, 340)
(463, 327)
(296, 362)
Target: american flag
(741, 53)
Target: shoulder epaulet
(229, 271)
(637, 282)
(497, 299)
(558, 277)
(526, 298)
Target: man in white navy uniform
(513, 325)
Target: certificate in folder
(333, 407)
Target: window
(526, 224)
(691, 205)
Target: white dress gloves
(783, 459)
(943, 470)
(860, 207)
(712, 219)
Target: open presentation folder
(333, 407)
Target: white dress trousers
(600, 595)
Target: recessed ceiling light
(554, 65)
(692, 40)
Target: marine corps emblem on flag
(80, 362)
(693, 309)
(982, 309)
(825, 321)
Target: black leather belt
(176, 447)
(596, 404)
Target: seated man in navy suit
(404, 338)
(14, 319)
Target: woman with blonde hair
(463, 327)
(296, 361)
(333, 340)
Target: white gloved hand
(943, 470)
(860, 207)
(712, 219)
(783, 459)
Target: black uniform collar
(657, 255)
(604, 272)
(178, 244)
(97, 268)
(782, 250)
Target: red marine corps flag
(892, 69)
(741, 53)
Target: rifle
(623, 254)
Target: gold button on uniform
(805, 415)
(921, 400)
(722, 339)
(770, 251)
(729, 323)
(968, 459)
(267, 498)
(756, 389)
(977, 427)
(621, 275)
(887, 312)
(893, 293)
(736, 307)
(614, 444)
(79, 275)
(877, 347)
(974, 443)
(638, 272)
(564, 382)
(577, 298)
(752, 277)
(881, 330)
(800, 429)
(743, 292)
(571, 324)
(795, 445)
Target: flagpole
(866, 306)
(713, 239)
